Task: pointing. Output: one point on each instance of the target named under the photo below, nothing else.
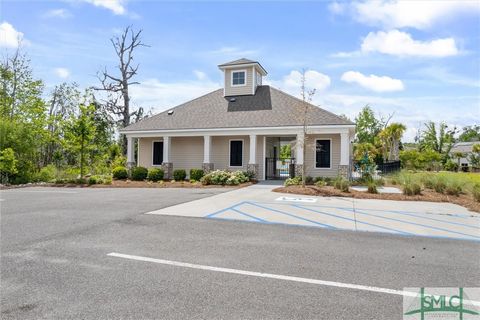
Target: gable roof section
(269, 107)
(238, 61)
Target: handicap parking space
(258, 204)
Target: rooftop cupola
(242, 77)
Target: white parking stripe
(275, 276)
(41, 191)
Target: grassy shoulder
(453, 187)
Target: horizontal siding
(240, 90)
(186, 153)
(221, 152)
(145, 151)
(310, 156)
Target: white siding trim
(283, 130)
(253, 80)
(264, 156)
(245, 78)
(230, 152)
(315, 154)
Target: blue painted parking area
(337, 217)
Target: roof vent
(170, 112)
(233, 99)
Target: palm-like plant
(391, 137)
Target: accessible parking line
(275, 276)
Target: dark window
(238, 78)
(322, 154)
(157, 153)
(236, 153)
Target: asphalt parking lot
(57, 262)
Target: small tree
(303, 114)
(81, 134)
(474, 157)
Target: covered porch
(327, 152)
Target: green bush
(120, 173)
(293, 181)
(155, 174)
(308, 180)
(411, 188)
(453, 188)
(476, 192)
(250, 174)
(222, 177)
(139, 173)
(320, 183)
(342, 184)
(46, 174)
(107, 180)
(372, 187)
(179, 174)
(80, 181)
(93, 180)
(450, 165)
(196, 174)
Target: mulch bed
(165, 184)
(426, 195)
(129, 184)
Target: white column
(130, 151)
(166, 149)
(253, 149)
(299, 148)
(207, 142)
(344, 149)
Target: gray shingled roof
(239, 61)
(269, 107)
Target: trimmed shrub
(139, 173)
(107, 180)
(179, 174)
(320, 183)
(120, 173)
(196, 174)
(250, 174)
(93, 180)
(293, 181)
(476, 192)
(308, 180)
(155, 174)
(221, 177)
(372, 187)
(80, 181)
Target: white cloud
(419, 14)
(400, 43)
(62, 72)
(200, 75)
(9, 37)
(373, 82)
(337, 7)
(152, 93)
(292, 82)
(116, 6)
(58, 13)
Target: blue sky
(417, 59)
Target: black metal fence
(279, 169)
(389, 167)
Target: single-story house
(465, 149)
(243, 126)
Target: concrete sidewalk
(259, 204)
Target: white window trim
(155, 165)
(238, 85)
(230, 152)
(315, 154)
